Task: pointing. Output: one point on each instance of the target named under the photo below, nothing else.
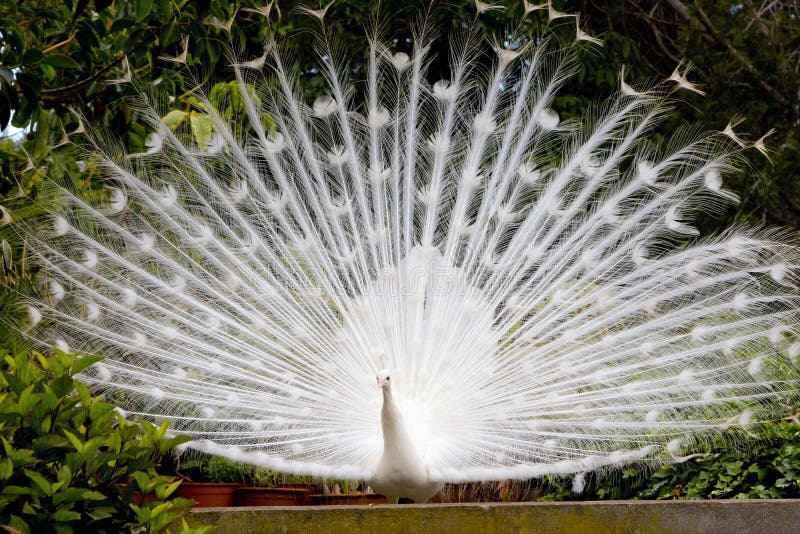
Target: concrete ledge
(724, 516)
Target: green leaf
(66, 515)
(68, 495)
(91, 495)
(202, 128)
(162, 430)
(17, 490)
(166, 35)
(61, 61)
(143, 8)
(64, 474)
(31, 56)
(169, 490)
(142, 513)
(142, 481)
(6, 468)
(165, 7)
(27, 400)
(40, 481)
(48, 442)
(7, 253)
(733, 468)
(48, 72)
(83, 362)
(120, 25)
(19, 524)
(8, 448)
(76, 442)
(174, 118)
(90, 447)
(102, 512)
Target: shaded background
(57, 55)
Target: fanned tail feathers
(535, 285)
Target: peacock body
(533, 288)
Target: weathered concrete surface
(651, 517)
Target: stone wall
(707, 517)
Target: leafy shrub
(70, 462)
(737, 467)
(770, 469)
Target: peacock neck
(394, 432)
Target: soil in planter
(208, 494)
(273, 497)
(349, 498)
(313, 488)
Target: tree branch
(741, 58)
(57, 45)
(659, 37)
(681, 9)
(58, 94)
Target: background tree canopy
(57, 59)
(57, 56)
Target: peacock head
(384, 380)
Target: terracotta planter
(254, 496)
(313, 489)
(208, 494)
(349, 498)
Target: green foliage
(56, 59)
(227, 101)
(205, 468)
(744, 56)
(60, 53)
(769, 468)
(70, 461)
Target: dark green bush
(735, 466)
(70, 462)
(769, 469)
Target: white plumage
(534, 285)
(402, 470)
